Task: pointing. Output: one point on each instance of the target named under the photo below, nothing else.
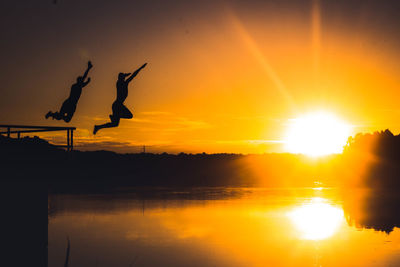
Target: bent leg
(67, 118)
(68, 115)
(114, 123)
(67, 110)
(125, 113)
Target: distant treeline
(34, 158)
(368, 159)
(382, 144)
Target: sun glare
(317, 219)
(317, 134)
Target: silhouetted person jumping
(68, 107)
(118, 108)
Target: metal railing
(18, 129)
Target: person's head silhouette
(79, 80)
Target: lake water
(224, 227)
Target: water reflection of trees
(372, 209)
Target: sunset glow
(216, 82)
(317, 134)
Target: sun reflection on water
(316, 219)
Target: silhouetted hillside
(26, 145)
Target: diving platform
(19, 129)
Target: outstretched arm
(87, 71)
(86, 83)
(135, 73)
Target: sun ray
(316, 39)
(260, 57)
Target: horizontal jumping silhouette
(69, 106)
(119, 111)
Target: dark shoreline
(369, 160)
(35, 159)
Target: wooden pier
(18, 129)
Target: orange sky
(222, 76)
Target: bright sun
(317, 134)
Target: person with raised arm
(68, 108)
(119, 110)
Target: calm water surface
(222, 227)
